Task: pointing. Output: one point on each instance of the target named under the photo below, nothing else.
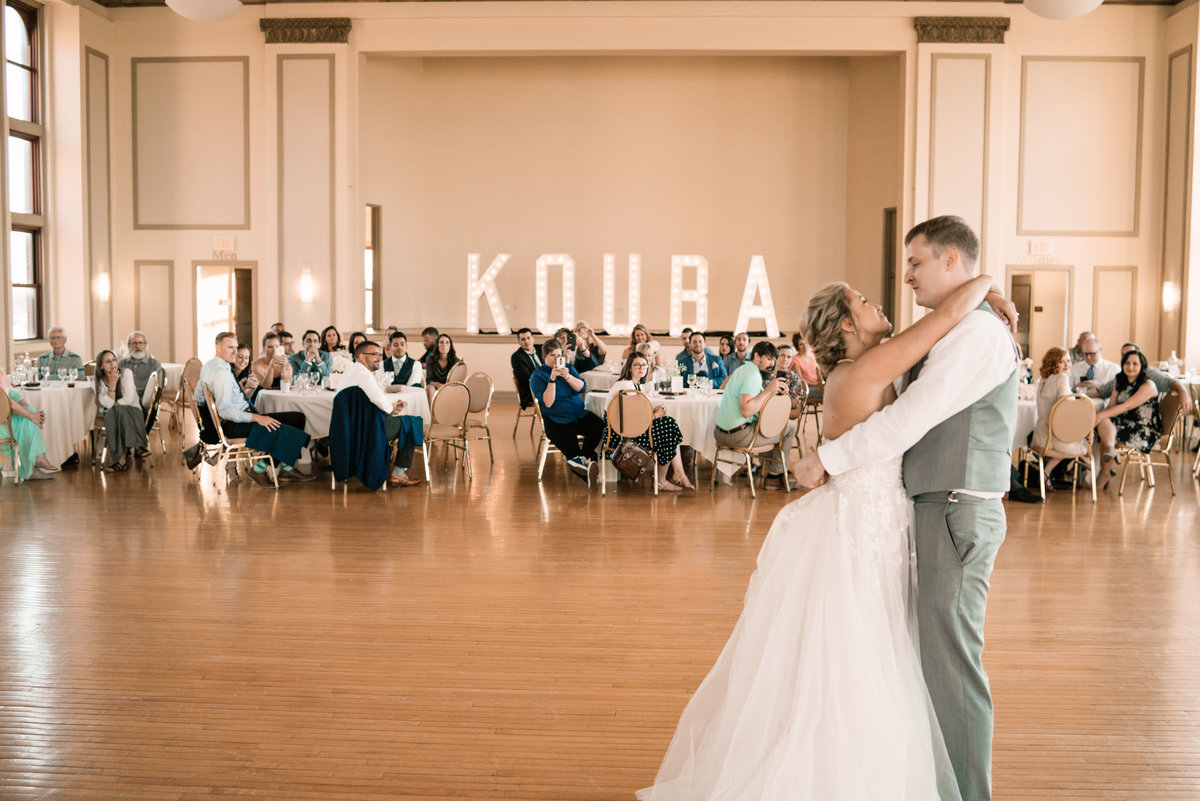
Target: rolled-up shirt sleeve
(966, 364)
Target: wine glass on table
(62, 375)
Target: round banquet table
(696, 415)
(70, 415)
(317, 406)
(600, 379)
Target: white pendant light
(1062, 9)
(205, 10)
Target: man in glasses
(58, 355)
(368, 356)
(1094, 369)
(138, 361)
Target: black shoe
(192, 456)
(72, 459)
(1018, 493)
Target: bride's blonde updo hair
(822, 324)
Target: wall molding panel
(959, 125)
(961, 30)
(98, 175)
(191, 143)
(320, 30)
(1176, 205)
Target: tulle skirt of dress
(818, 693)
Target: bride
(818, 693)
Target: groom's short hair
(947, 232)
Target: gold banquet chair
(480, 387)
(813, 408)
(772, 419)
(630, 414)
(234, 449)
(531, 412)
(8, 441)
(458, 373)
(190, 377)
(448, 424)
(1072, 418)
(545, 446)
(1168, 410)
(152, 411)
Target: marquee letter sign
(485, 286)
(634, 312)
(679, 295)
(542, 314)
(756, 279)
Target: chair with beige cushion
(1072, 418)
(189, 377)
(530, 412)
(1168, 408)
(458, 373)
(233, 449)
(448, 424)
(772, 418)
(479, 385)
(630, 414)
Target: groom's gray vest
(972, 449)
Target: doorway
(1042, 296)
(225, 297)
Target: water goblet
(62, 374)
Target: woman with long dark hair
(1133, 409)
(331, 340)
(437, 366)
(124, 421)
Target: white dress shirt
(128, 391)
(358, 376)
(963, 366)
(1105, 371)
(415, 377)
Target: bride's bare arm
(884, 363)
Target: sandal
(141, 453)
(116, 467)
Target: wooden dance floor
(504, 639)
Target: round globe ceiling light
(1062, 9)
(205, 10)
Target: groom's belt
(950, 496)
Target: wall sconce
(205, 10)
(1170, 296)
(102, 287)
(1062, 9)
(306, 284)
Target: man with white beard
(139, 361)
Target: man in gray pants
(954, 423)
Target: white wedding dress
(818, 694)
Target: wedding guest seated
(438, 365)
(590, 352)
(286, 343)
(312, 361)
(795, 382)
(1162, 382)
(698, 360)
(725, 347)
(524, 361)
(25, 426)
(1076, 351)
(1094, 369)
(663, 431)
(658, 374)
(744, 395)
(124, 420)
(559, 392)
(741, 352)
(641, 336)
(272, 366)
(281, 434)
(367, 358)
(58, 356)
(387, 332)
(1132, 410)
(406, 371)
(139, 361)
(805, 364)
(686, 339)
(331, 340)
(429, 339)
(1056, 383)
(355, 338)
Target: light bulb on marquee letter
(679, 295)
(486, 285)
(756, 279)
(542, 315)
(609, 321)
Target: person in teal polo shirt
(744, 395)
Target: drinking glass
(62, 374)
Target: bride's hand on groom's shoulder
(809, 472)
(1005, 308)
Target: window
(24, 153)
(371, 268)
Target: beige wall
(827, 76)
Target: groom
(954, 423)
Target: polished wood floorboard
(498, 638)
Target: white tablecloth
(70, 414)
(317, 406)
(599, 380)
(173, 371)
(696, 415)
